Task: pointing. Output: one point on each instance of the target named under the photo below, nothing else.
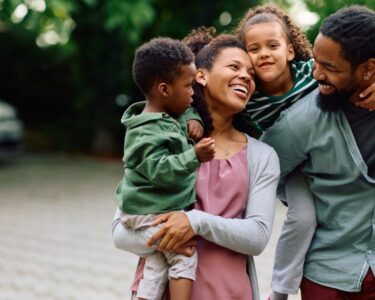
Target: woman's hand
(367, 98)
(175, 232)
(195, 129)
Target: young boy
(159, 159)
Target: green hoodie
(160, 163)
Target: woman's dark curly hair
(207, 47)
(159, 59)
(353, 28)
(269, 13)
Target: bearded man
(332, 142)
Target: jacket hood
(133, 116)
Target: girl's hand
(175, 232)
(367, 98)
(195, 130)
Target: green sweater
(159, 161)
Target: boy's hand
(195, 130)
(367, 98)
(205, 149)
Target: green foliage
(65, 62)
(325, 8)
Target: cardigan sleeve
(251, 234)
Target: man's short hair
(160, 59)
(353, 28)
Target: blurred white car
(11, 131)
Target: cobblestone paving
(55, 238)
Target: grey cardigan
(249, 235)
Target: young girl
(283, 65)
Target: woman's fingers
(174, 233)
(156, 236)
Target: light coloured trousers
(159, 266)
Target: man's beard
(333, 102)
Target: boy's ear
(201, 77)
(163, 89)
(291, 53)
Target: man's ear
(201, 77)
(163, 89)
(368, 69)
(291, 53)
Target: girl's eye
(252, 50)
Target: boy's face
(181, 91)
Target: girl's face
(229, 84)
(270, 52)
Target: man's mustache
(323, 82)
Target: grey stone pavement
(55, 237)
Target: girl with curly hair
(283, 64)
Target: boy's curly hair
(159, 59)
(268, 13)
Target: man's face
(336, 78)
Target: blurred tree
(322, 8)
(325, 8)
(66, 65)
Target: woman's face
(229, 83)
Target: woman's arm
(249, 235)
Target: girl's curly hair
(268, 13)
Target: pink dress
(222, 189)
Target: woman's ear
(201, 77)
(291, 53)
(163, 89)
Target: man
(333, 142)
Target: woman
(236, 191)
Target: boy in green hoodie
(160, 160)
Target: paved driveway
(55, 238)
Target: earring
(204, 84)
(366, 77)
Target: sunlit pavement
(55, 237)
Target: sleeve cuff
(195, 220)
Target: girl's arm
(367, 98)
